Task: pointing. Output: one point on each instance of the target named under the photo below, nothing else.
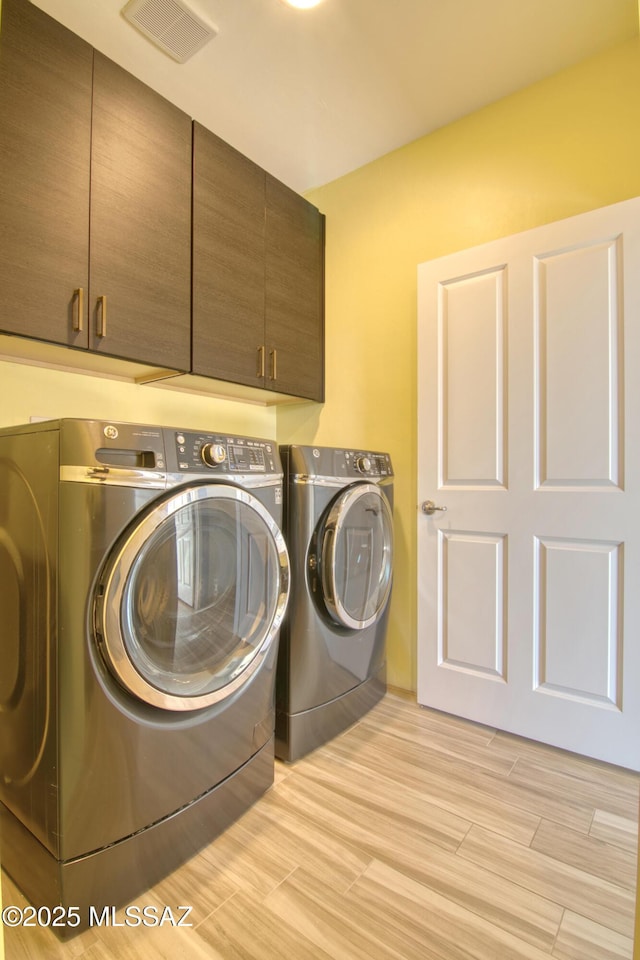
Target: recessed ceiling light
(302, 4)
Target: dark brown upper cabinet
(45, 143)
(228, 262)
(96, 232)
(95, 192)
(258, 275)
(140, 226)
(294, 293)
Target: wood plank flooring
(412, 836)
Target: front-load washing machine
(143, 579)
(339, 531)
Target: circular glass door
(192, 597)
(357, 556)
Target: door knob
(429, 507)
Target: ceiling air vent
(171, 25)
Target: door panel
(529, 435)
(472, 411)
(577, 435)
(472, 628)
(577, 595)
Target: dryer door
(192, 597)
(356, 556)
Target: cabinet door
(228, 262)
(45, 119)
(140, 267)
(294, 316)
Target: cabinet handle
(274, 364)
(78, 317)
(101, 325)
(260, 370)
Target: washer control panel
(219, 453)
(367, 464)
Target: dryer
(339, 531)
(143, 580)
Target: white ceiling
(311, 95)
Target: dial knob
(363, 464)
(213, 454)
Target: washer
(143, 580)
(339, 530)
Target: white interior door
(529, 435)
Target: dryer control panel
(359, 463)
(337, 462)
(193, 452)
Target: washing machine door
(192, 597)
(356, 556)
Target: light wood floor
(413, 836)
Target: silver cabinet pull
(78, 315)
(274, 364)
(429, 507)
(101, 326)
(260, 371)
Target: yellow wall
(560, 147)
(27, 391)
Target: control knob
(363, 464)
(213, 454)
